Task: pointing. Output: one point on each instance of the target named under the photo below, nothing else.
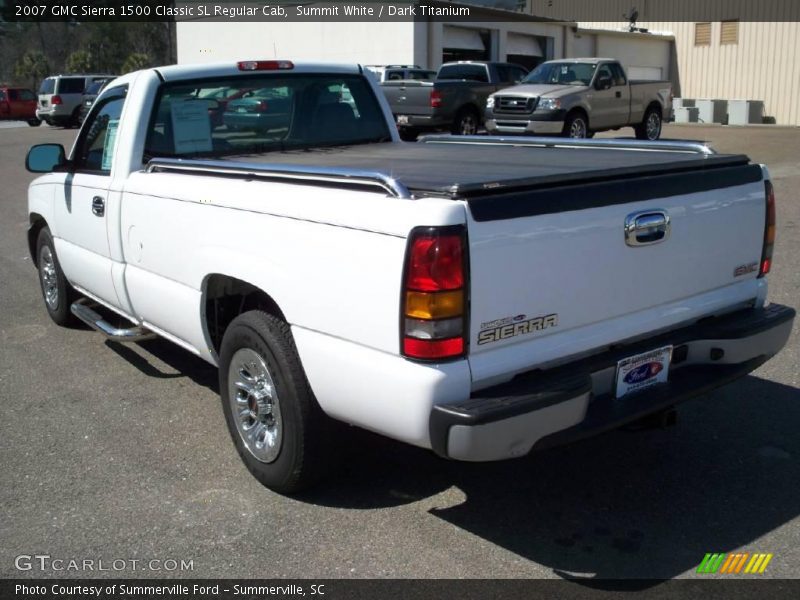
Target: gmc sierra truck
(478, 296)
(578, 97)
(453, 102)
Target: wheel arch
(224, 297)
(580, 110)
(654, 105)
(36, 223)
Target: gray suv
(60, 98)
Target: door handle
(647, 227)
(619, 94)
(98, 206)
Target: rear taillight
(769, 231)
(434, 303)
(436, 99)
(262, 106)
(56, 100)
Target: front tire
(650, 127)
(34, 122)
(279, 430)
(57, 293)
(576, 127)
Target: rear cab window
(464, 72)
(247, 115)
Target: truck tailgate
(408, 97)
(553, 275)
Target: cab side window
(604, 72)
(619, 74)
(95, 148)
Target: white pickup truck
(478, 296)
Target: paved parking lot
(121, 452)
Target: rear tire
(57, 293)
(467, 122)
(34, 122)
(279, 430)
(75, 118)
(650, 127)
(408, 135)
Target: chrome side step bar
(688, 147)
(86, 313)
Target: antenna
(632, 17)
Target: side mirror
(603, 83)
(45, 158)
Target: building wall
(366, 43)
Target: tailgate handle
(646, 227)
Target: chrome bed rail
(282, 172)
(558, 142)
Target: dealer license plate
(641, 371)
(402, 119)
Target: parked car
(576, 98)
(218, 101)
(454, 101)
(259, 110)
(478, 296)
(60, 98)
(400, 72)
(90, 95)
(18, 104)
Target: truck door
(607, 102)
(84, 203)
(622, 94)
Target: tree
(80, 61)
(135, 61)
(31, 67)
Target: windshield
(564, 73)
(249, 115)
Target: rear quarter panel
(330, 258)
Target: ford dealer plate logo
(643, 372)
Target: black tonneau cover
(472, 170)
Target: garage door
(523, 45)
(645, 73)
(462, 38)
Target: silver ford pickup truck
(578, 97)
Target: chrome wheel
(468, 125)
(653, 126)
(49, 276)
(254, 405)
(577, 128)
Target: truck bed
(464, 170)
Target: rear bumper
(423, 122)
(54, 114)
(542, 409)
